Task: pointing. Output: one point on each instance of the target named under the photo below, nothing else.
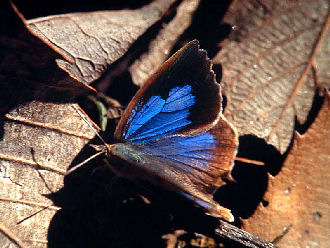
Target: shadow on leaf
(244, 195)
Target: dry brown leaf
(25, 57)
(299, 195)
(160, 47)
(90, 42)
(38, 128)
(45, 132)
(275, 58)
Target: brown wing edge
(209, 91)
(205, 184)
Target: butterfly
(172, 133)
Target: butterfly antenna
(88, 123)
(79, 111)
(83, 162)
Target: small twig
(225, 230)
(249, 161)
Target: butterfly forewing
(173, 132)
(184, 83)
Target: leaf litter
(29, 115)
(274, 60)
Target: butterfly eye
(136, 158)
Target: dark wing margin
(188, 71)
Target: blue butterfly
(173, 134)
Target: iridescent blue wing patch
(160, 117)
(190, 152)
(182, 97)
(174, 133)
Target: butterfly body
(173, 134)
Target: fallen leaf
(41, 130)
(90, 42)
(38, 129)
(275, 58)
(25, 57)
(299, 195)
(161, 46)
(44, 133)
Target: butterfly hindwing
(205, 157)
(193, 165)
(173, 133)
